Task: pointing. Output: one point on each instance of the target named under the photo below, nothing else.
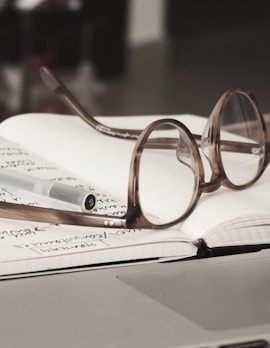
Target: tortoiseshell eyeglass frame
(134, 217)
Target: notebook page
(31, 246)
(74, 145)
(108, 166)
(109, 257)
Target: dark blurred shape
(190, 19)
(58, 34)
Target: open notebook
(65, 149)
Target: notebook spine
(205, 251)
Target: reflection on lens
(241, 124)
(166, 177)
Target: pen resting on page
(73, 195)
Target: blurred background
(133, 57)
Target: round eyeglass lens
(241, 139)
(167, 177)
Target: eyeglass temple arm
(232, 146)
(225, 145)
(55, 85)
(56, 216)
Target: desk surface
(96, 308)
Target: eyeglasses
(167, 164)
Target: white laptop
(215, 302)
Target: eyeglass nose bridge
(210, 186)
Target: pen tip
(90, 202)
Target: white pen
(78, 196)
